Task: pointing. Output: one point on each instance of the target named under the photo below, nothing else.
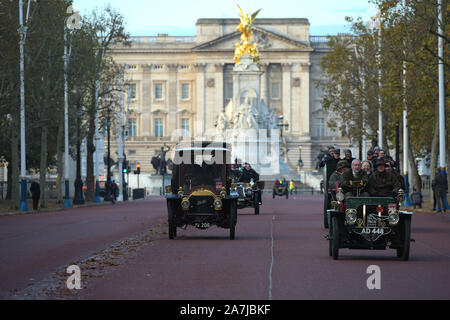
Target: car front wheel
(335, 238)
(403, 253)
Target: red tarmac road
(280, 254)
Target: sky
(178, 17)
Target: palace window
(159, 129)
(276, 90)
(158, 91)
(185, 88)
(320, 127)
(132, 132)
(132, 91)
(185, 127)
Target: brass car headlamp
(340, 195)
(185, 203)
(394, 217)
(180, 192)
(223, 193)
(350, 216)
(217, 204)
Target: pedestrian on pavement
(35, 190)
(440, 187)
(291, 186)
(416, 198)
(113, 190)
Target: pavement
(124, 253)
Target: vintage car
(280, 188)
(249, 194)
(200, 194)
(369, 223)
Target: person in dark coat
(440, 188)
(348, 156)
(248, 174)
(383, 183)
(35, 190)
(342, 166)
(416, 198)
(354, 180)
(330, 162)
(390, 168)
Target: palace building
(185, 83)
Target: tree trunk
(416, 180)
(90, 192)
(44, 165)
(14, 165)
(60, 153)
(434, 148)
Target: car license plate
(203, 225)
(377, 231)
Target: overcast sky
(178, 17)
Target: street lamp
(79, 198)
(282, 125)
(23, 34)
(300, 161)
(107, 196)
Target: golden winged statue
(245, 47)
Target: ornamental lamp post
(23, 167)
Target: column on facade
(200, 119)
(304, 105)
(286, 69)
(214, 111)
(264, 67)
(145, 100)
(172, 99)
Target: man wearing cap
(342, 166)
(371, 157)
(383, 183)
(331, 162)
(348, 156)
(354, 180)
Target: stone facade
(184, 83)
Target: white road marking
(272, 258)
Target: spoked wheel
(335, 238)
(233, 218)
(403, 253)
(171, 220)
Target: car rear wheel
(335, 238)
(325, 207)
(233, 219)
(171, 220)
(256, 204)
(403, 253)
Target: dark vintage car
(280, 188)
(249, 194)
(368, 223)
(200, 193)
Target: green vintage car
(369, 223)
(200, 193)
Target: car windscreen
(195, 175)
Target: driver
(383, 183)
(248, 174)
(354, 179)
